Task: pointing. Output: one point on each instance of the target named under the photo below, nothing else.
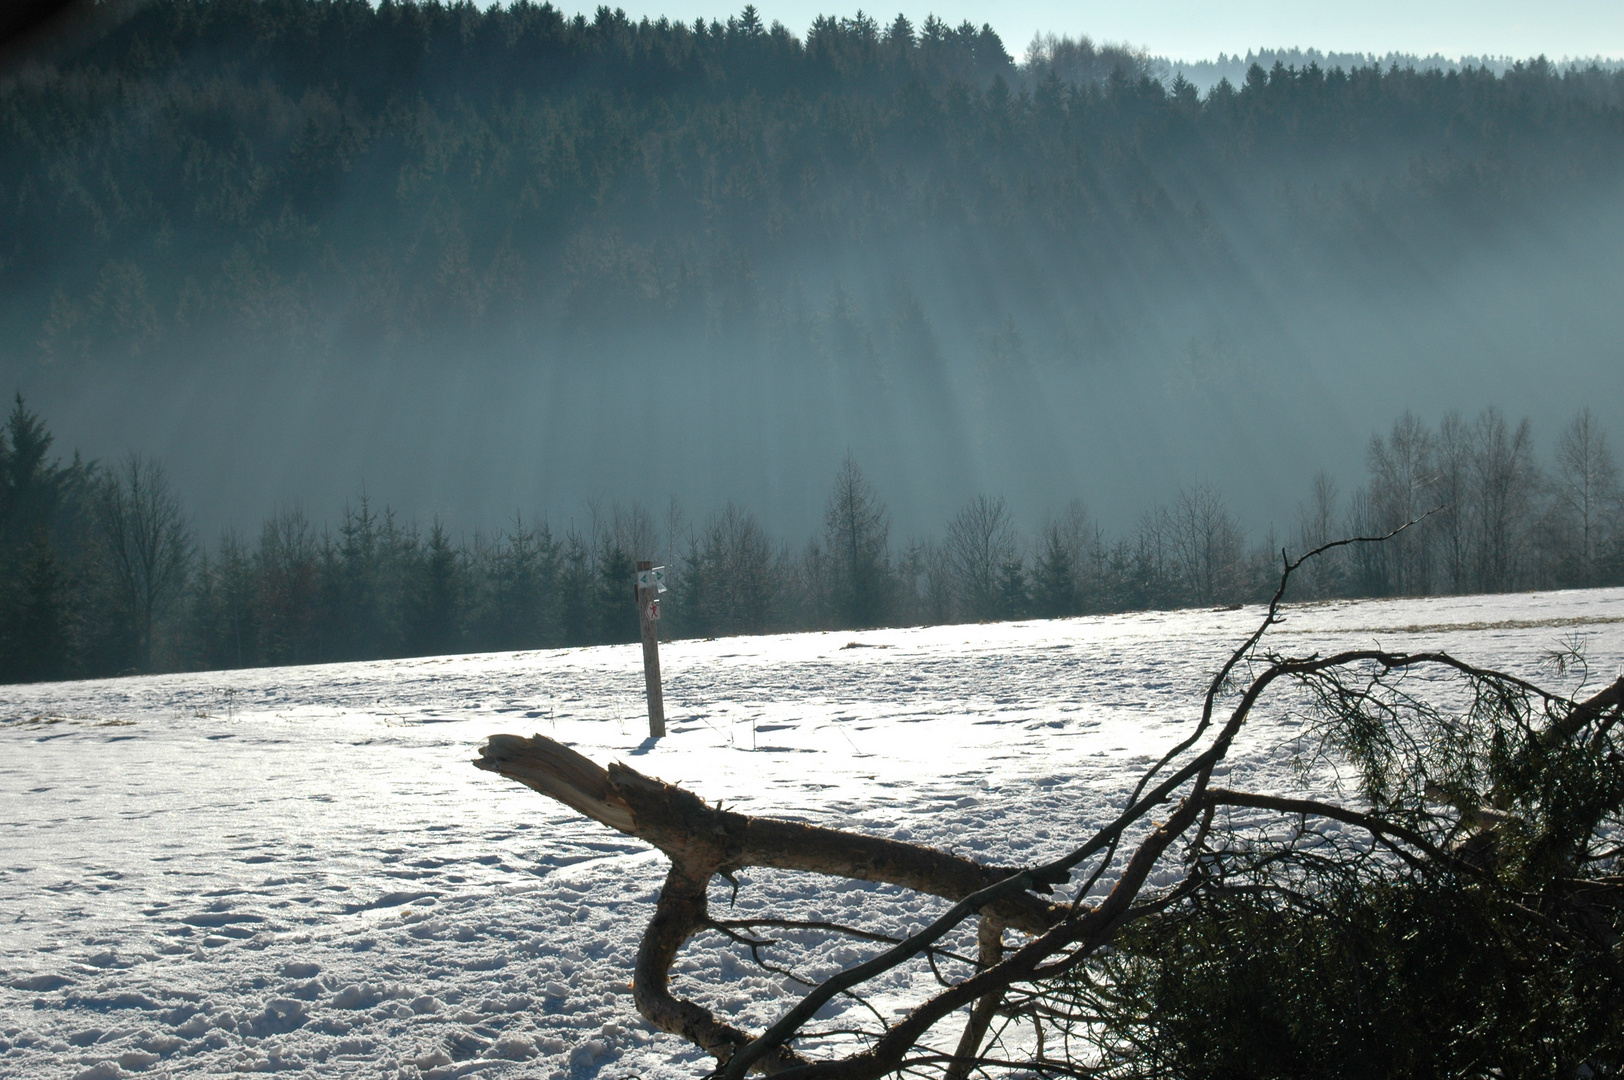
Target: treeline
(1206, 74)
(101, 575)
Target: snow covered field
(297, 869)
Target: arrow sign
(652, 579)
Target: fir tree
(856, 540)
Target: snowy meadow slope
(298, 870)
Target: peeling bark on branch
(703, 840)
(707, 839)
(680, 914)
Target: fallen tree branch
(1066, 941)
(702, 840)
(709, 839)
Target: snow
(299, 870)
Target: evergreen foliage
(44, 507)
(1308, 947)
(857, 579)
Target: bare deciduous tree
(1586, 489)
(629, 528)
(1316, 527)
(1451, 528)
(1402, 488)
(1504, 483)
(1207, 545)
(145, 548)
(979, 543)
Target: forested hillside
(520, 276)
(480, 260)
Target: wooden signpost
(650, 583)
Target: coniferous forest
(880, 307)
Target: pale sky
(1201, 29)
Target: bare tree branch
(1359, 693)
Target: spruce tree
(1054, 577)
(856, 540)
(575, 589)
(436, 626)
(614, 605)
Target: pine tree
(614, 614)
(1013, 599)
(519, 580)
(436, 625)
(575, 589)
(35, 637)
(856, 541)
(43, 551)
(1054, 577)
(272, 602)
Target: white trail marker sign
(651, 582)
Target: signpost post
(650, 583)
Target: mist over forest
(478, 262)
